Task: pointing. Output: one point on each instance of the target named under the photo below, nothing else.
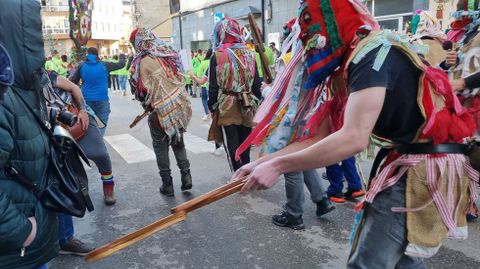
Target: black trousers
(233, 137)
(115, 84)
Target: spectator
(56, 64)
(335, 174)
(114, 75)
(274, 49)
(201, 78)
(28, 231)
(123, 76)
(91, 143)
(94, 75)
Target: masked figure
(378, 88)
(159, 85)
(234, 89)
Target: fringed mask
(226, 31)
(328, 27)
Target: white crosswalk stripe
(197, 144)
(134, 151)
(131, 150)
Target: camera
(58, 112)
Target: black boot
(324, 206)
(287, 220)
(167, 187)
(186, 181)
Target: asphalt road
(235, 232)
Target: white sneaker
(217, 152)
(206, 117)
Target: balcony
(55, 31)
(50, 8)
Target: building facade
(111, 26)
(193, 21)
(56, 26)
(154, 15)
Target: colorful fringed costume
(439, 187)
(161, 88)
(429, 33)
(468, 17)
(158, 83)
(234, 89)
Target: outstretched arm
(77, 96)
(362, 111)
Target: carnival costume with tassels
(162, 90)
(428, 32)
(469, 54)
(235, 73)
(440, 187)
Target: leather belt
(424, 148)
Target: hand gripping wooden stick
(179, 214)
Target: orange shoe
(352, 194)
(339, 199)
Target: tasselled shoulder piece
(384, 39)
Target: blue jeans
(45, 266)
(65, 228)
(123, 82)
(204, 95)
(102, 110)
(335, 175)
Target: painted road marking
(197, 144)
(131, 150)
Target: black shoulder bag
(66, 190)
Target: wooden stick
(258, 41)
(209, 196)
(136, 236)
(214, 198)
(179, 214)
(139, 118)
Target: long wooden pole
(258, 41)
(132, 238)
(179, 214)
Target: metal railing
(50, 8)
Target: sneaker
(473, 214)
(206, 117)
(337, 198)
(352, 194)
(217, 152)
(75, 247)
(324, 207)
(287, 220)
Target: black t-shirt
(400, 117)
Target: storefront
(395, 14)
